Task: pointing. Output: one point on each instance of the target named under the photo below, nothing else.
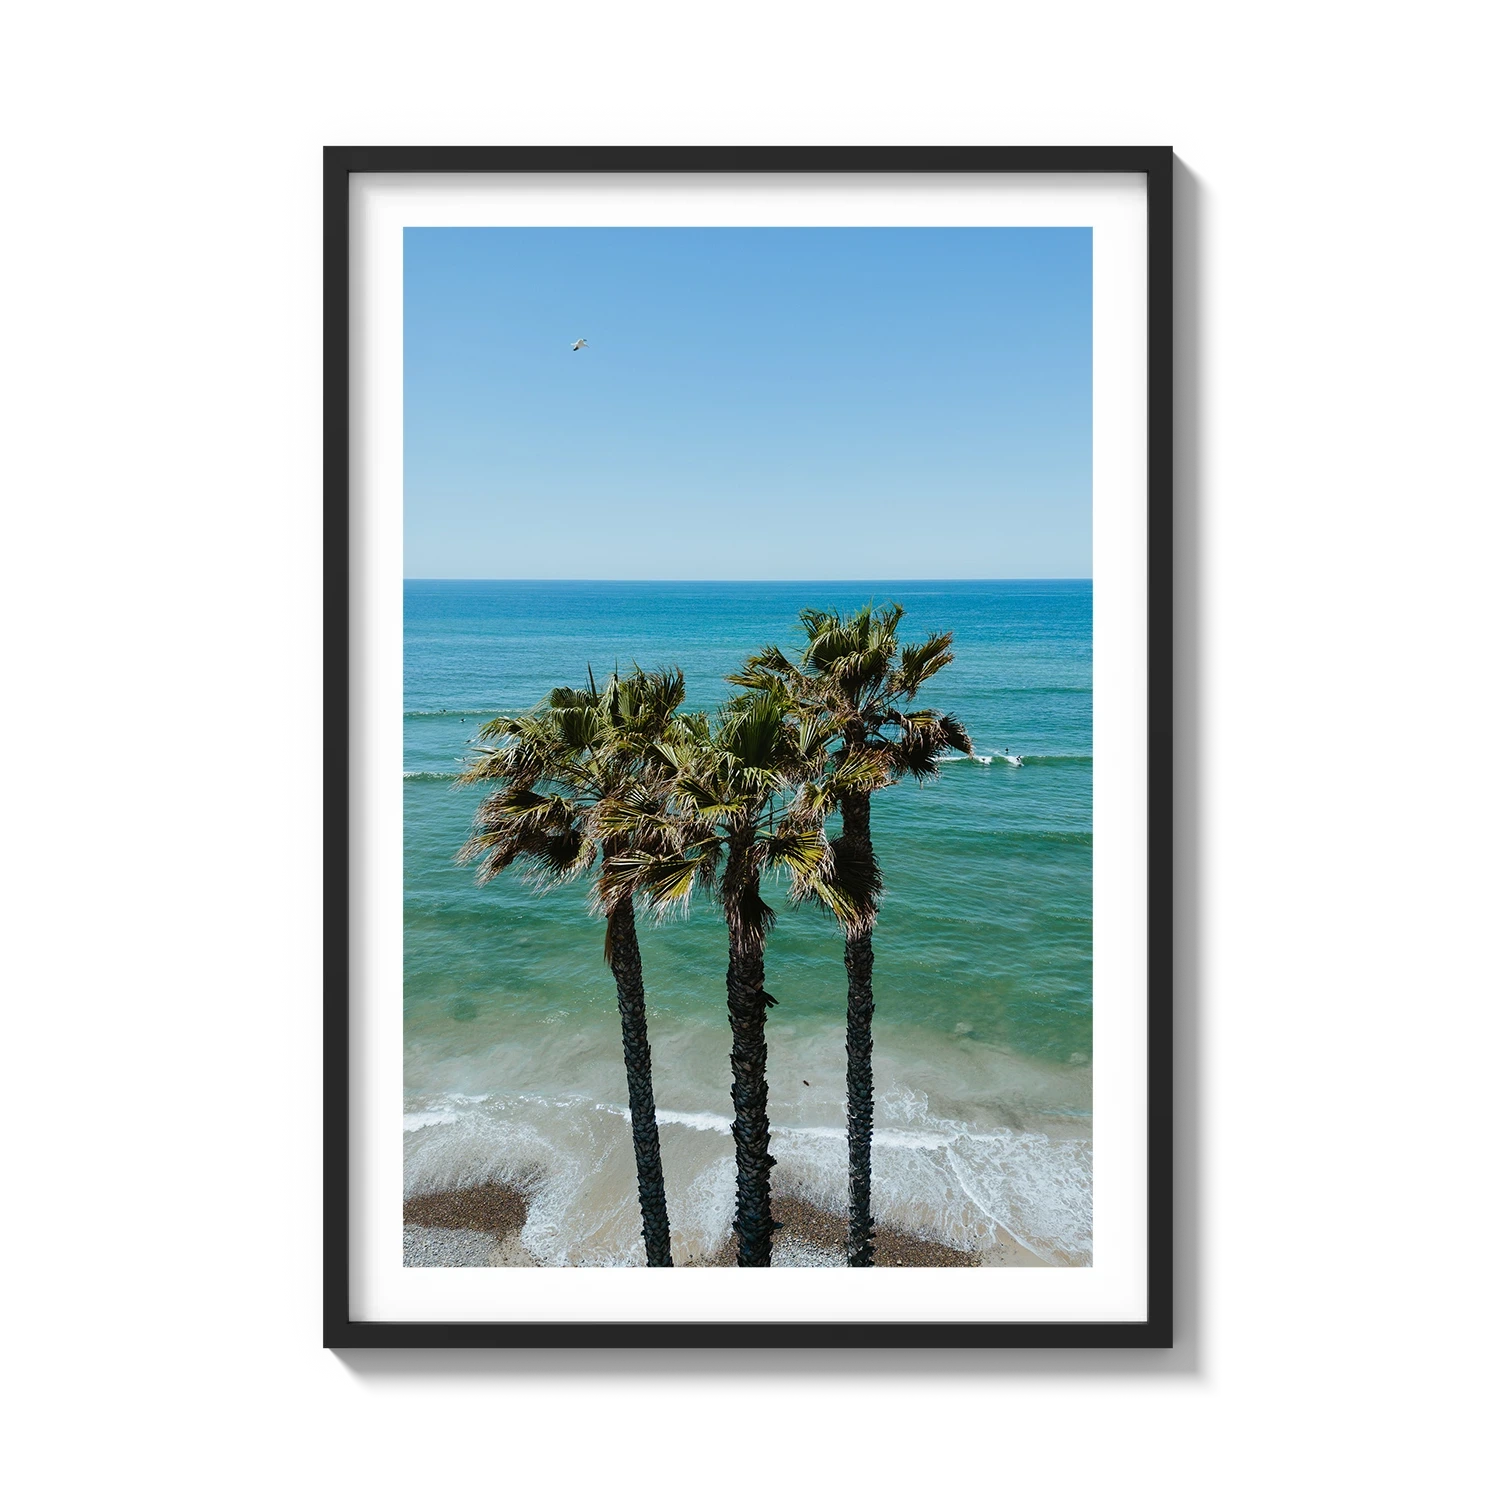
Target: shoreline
(481, 1226)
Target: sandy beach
(481, 1226)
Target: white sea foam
(1017, 760)
(694, 1120)
(720, 1124)
(939, 1177)
(952, 1182)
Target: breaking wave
(999, 759)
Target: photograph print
(748, 748)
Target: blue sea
(983, 952)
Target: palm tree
(855, 677)
(560, 768)
(745, 805)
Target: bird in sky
(581, 344)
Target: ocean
(983, 952)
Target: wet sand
(491, 1209)
(481, 1226)
(801, 1223)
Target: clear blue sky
(753, 403)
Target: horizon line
(1030, 578)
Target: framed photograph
(748, 746)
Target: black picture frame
(1184, 1326)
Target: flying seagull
(581, 344)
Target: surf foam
(937, 1177)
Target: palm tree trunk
(752, 1127)
(859, 1045)
(625, 961)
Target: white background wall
(161, 509)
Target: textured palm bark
(753, 1161)
(859, 1045)
(625, 962)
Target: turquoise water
(983, 950)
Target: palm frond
(815, 731)
(955, 736)
(638, 820)
(860, 768)
(498, 728)
(924, 738)
(664, 882)
(551, 857)
(644, 702)
(918, 663)
(764, 670)
(547, 834)
(852, 887)
(752, 729)
(799, 852)
(570, 697)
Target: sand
(802, 1224)
(423, 1246)
(481, 1226)
(492, 1209)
